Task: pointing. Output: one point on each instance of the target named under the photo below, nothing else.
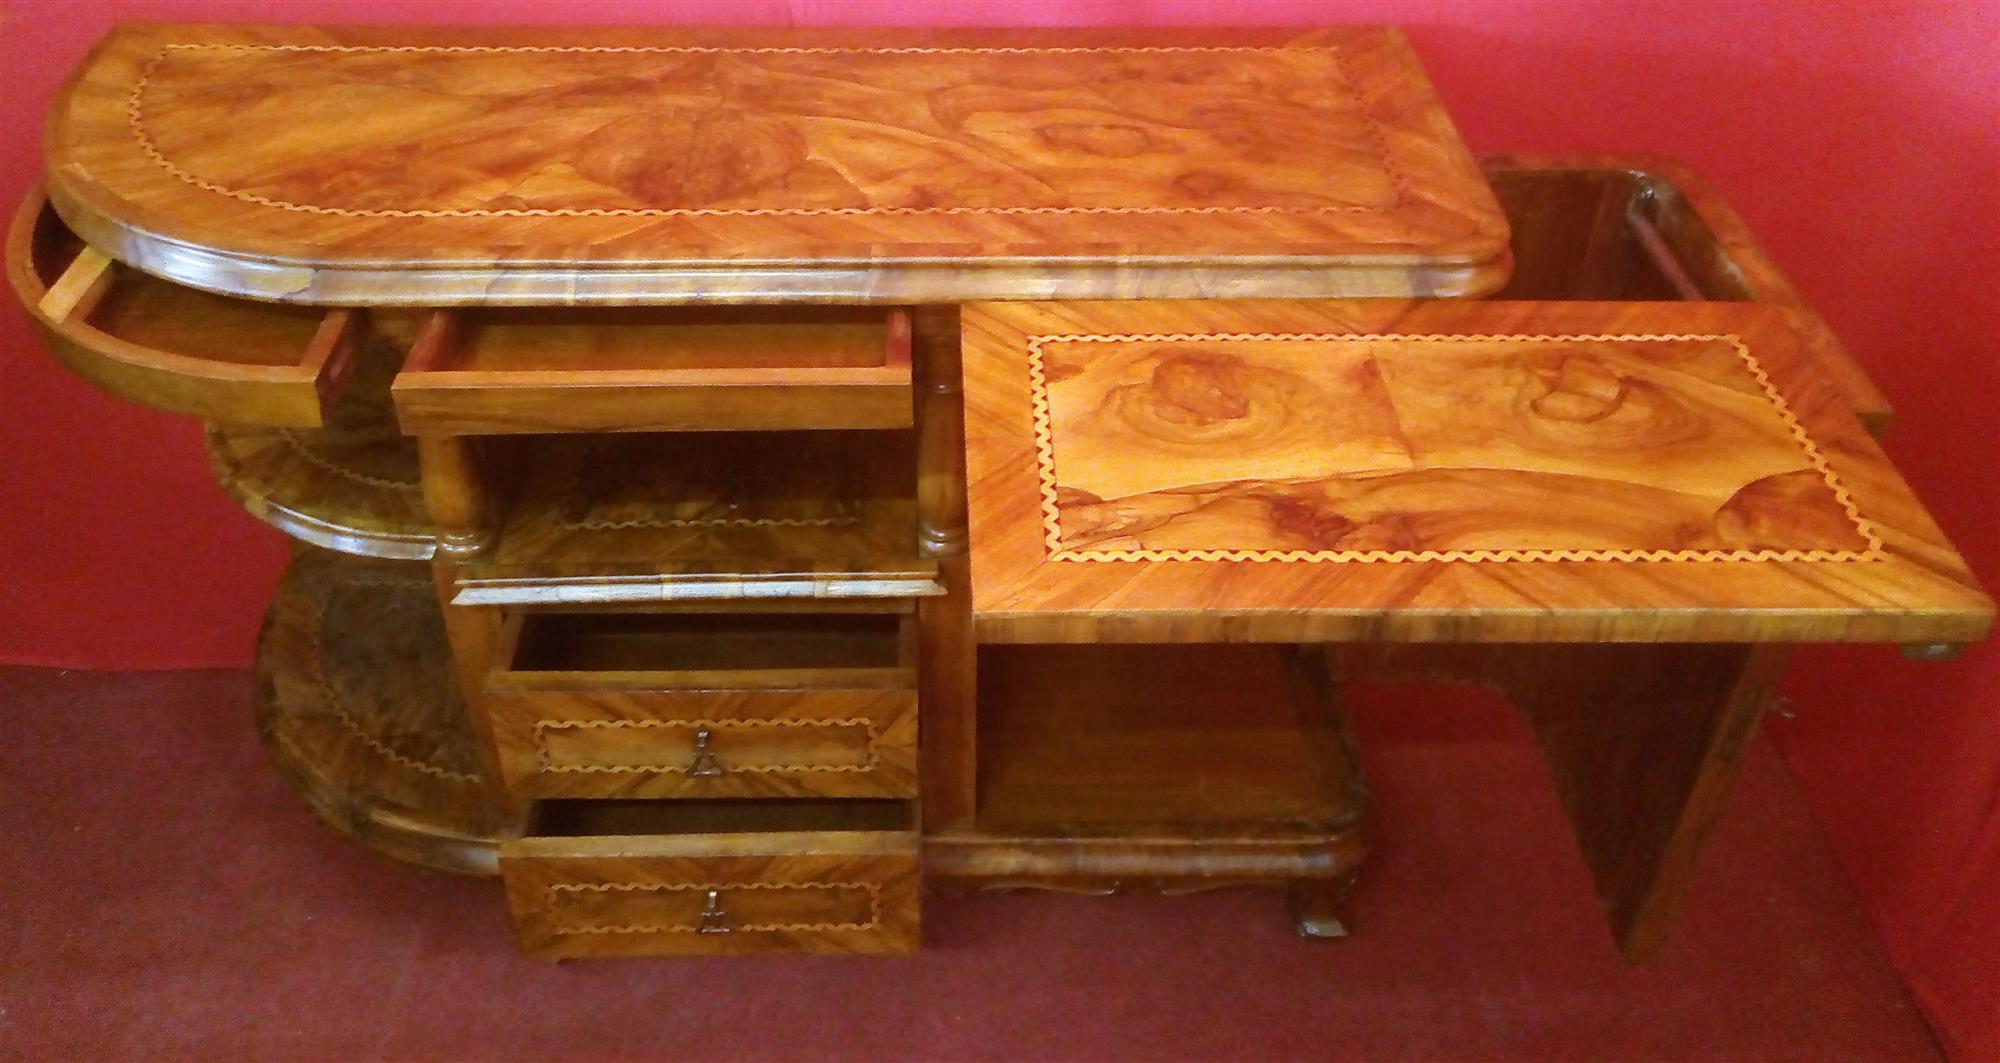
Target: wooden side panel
(1643, 742)
(1583, 223)
(664, 896)
(600, 742)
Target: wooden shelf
(352, 486)
(357, 494)
(690, 517)
(1187, 741)
(359, 708)
(1159, 769)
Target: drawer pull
(704, 763)
(713, 919)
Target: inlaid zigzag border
(553, 893)
(1045, 461)
(544, 762)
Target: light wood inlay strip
(873, 890)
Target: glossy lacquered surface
(1434, 471)
(685, 165)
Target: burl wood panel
(490, 166)
(1434, 471)
(359, 708)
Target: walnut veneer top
(1438, 470)
(655, 165)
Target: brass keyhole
(713, 919)
(704, 762)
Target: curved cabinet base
(354, 492)
(357, 704)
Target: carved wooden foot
(1319, 906)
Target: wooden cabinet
(738, 512)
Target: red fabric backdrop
(1857, 140)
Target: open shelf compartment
(686, 517)
(1161, 741)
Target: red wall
(1859, 141)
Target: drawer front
(706, 743)
(582, 898)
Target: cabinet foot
(1319, 907)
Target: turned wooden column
(948, 671)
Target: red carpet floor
(166, 897)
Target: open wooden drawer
(488, 372)
(747, 704)
(172, 347)
(655, 878)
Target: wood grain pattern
(360, 711)
(704, 516)
(670, 165)
(679, 882)
(1434, 472)
(692, 705)
(1637, 227)
(173, 347)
